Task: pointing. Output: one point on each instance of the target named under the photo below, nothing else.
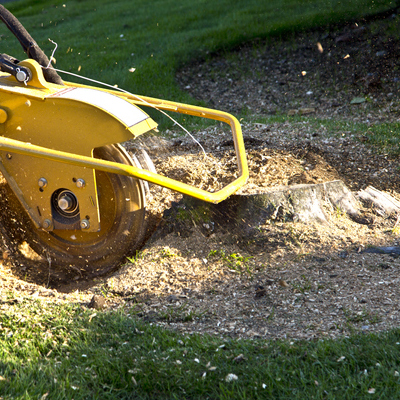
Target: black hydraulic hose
(29, 45)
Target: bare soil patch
(317, 73)
(279, 278)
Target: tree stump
(381, 203)
(305, 203)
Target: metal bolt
(85, 224)
(64, 204)
(46, 224)
(21, 76)
(80, 183)
(67, 201)
(42, 182)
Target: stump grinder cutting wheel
(73, 193)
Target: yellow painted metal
(107, 166)
(49, 131)
(63, 119)
(196, 111)
(3, 116)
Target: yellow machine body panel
(48, 133)
(70, 119)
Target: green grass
(385, 137)
(234, 261)
(69, 352)
(105, 38)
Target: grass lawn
(105, 39)
(68, 352)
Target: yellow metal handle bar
(108, 166)
(202, 113)
(113, 167)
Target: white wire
(52, 54)
(124, 91)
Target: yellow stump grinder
(72, 188)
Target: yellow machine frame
(25, 148)
(69, 195)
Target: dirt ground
(278, 278)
